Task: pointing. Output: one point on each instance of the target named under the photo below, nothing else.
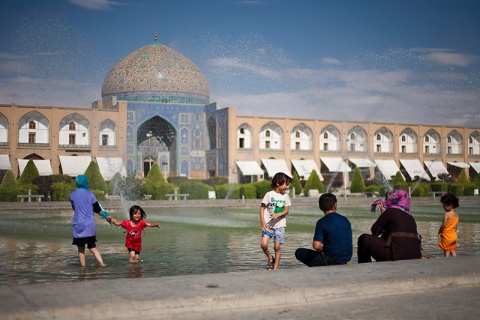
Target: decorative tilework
(156, 73)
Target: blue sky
(408, 61)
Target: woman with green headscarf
(84, 204)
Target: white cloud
(95, 4)
(331, 61)
(447, 56)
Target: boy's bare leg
(453, 253)
(81, 255)
(98, 256)
(264, 245)
(278, 253)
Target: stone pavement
(438, 288)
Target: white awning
(362, 162)
(388, 168)
(414, 168)
(475, 166)
(43, 166)
(74, 165)
(305, 167)
(249, 168)
(459, 164)
(336, 164)
(436, 168)
(110, 166)
(274, 166)
(5, 162)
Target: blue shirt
(334, 231)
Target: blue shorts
(278, 234)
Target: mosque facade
(156, 108)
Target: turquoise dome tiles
(156, 73)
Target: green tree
(463, 178)
(29, 173)
(8, 186)
(154, 178)
(357, 185)
(398, 182)
(314, 182)
(296, 183)
(95, 179)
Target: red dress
(134, 234)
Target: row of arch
(271, 137)
(74, 130)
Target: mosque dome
(156, 73)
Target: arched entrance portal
(156, 141)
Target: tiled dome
(156, 73)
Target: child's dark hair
(280, 178)
(327, 201)
(450, 199)
(143, 215)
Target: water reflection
(189, 242)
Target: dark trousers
(370, 246)
(314, 258)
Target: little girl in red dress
(134, 228)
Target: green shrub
(248, 191)
(29, 173)
(177, 180)
(132, 189)
(114, 184)
(216, 181)
(22, 189)
(456, 189)
(154, 177)
(159, 190)
(196, 189)
(228, 191)
(8, 194)
(296, 183)
(95, 179)
(463, 178)
(420, 189)
(262, 187)
(373, 188)
(469, 189)
(60, 191)
(439, 186)
(314, 182)
(357, 185)
(99, 194)
(8, 188)
(398, 182)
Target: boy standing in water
(273, 211)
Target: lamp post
(149, 136)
